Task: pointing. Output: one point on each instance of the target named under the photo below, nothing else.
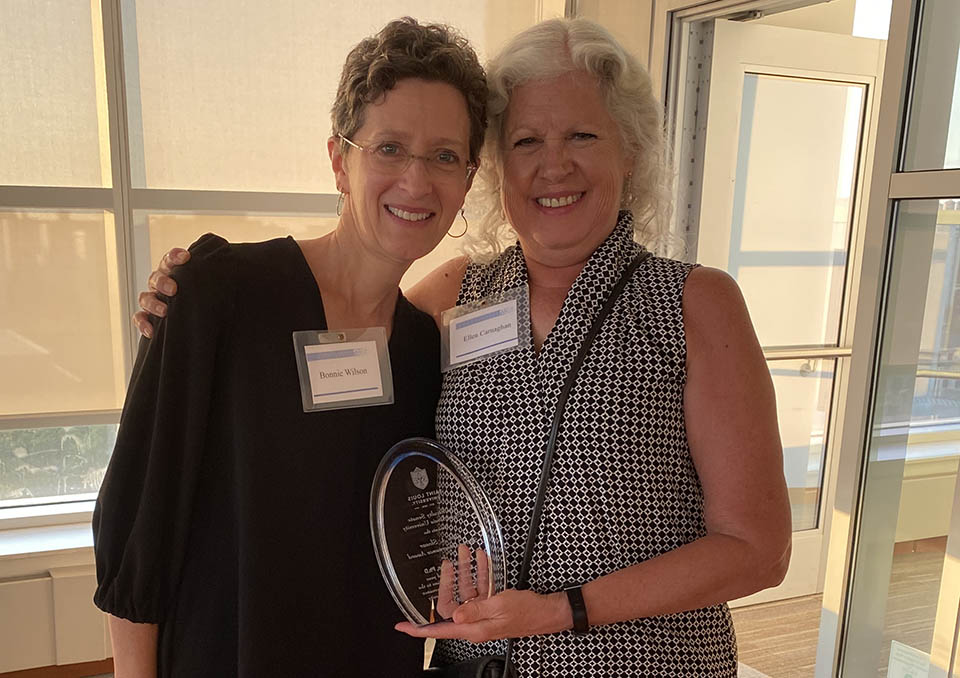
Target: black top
(232, 518)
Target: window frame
(892, 184)
(132, 256)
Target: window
(933, 130)
(229, 99)
(897, 579)
(220, 124)
(61, 461)
(52, 113)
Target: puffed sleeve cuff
(129, 579)
(112, 601)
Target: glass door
(902, 614)
(906, 588)
(789, 114)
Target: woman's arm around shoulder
(162, 282)
(731, 420)
(439, 289)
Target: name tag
(484, 328)
(343, 368)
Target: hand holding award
(437, 540)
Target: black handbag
(489, 666)
(497, 666)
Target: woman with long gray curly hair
(667, 496)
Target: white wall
(48, 613)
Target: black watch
(574, 593)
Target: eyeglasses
(391, 157)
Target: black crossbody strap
(523, 582)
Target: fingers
(468, 590)
(470, 612)
(161, 282)
(408, 628)
(173, 258)
(510, 614)
(148, 302)
(142, 322)
(483, 575)
(160, 279)
(477, 621)
(475, 633)
(441, 630)
(446, 603)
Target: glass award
(437, 540)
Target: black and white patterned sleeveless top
(623, 488)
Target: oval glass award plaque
(437, 540)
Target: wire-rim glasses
(391, 157)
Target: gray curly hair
(552, 48)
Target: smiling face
(402, 216)
(563, 168)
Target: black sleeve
(143, 511)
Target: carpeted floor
(779, 639)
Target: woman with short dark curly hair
(231, 529)
(405, 49)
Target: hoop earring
(465, 226)
(340, 205)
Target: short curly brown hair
(405, 48)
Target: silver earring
(340, 204)
(465, 226)
(628, 196)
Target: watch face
(437, 540)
